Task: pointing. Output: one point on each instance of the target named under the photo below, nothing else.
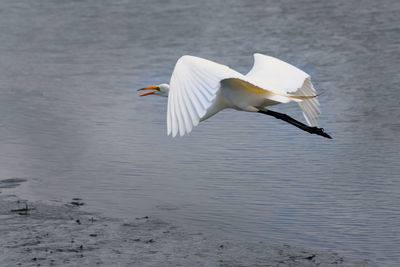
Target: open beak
(156, 88)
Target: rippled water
(72, 125)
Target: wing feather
(207, 93)
(278, 76)
(183, 105)
(193, 88)
(181, 121)
(177, 114)
(169, 117)
(190, 107)
(196, 104)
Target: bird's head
(161, 90)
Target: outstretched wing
(278, 76)
(193, 88)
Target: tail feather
(310, 104)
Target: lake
(72, 125)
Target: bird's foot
(319, 131)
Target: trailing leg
(288, 119)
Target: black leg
(284, 117)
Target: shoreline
(38, 234)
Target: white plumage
(196, 90)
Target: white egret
(200, 88)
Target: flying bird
(200, 88)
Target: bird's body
(239, 95)
(200, 88)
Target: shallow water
(72, 125)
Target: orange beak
(156, 88)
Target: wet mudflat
(63, 235)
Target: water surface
(72, 125)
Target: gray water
(72, 125)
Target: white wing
(193, 87)
(278, 76)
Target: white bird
(200, 88)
